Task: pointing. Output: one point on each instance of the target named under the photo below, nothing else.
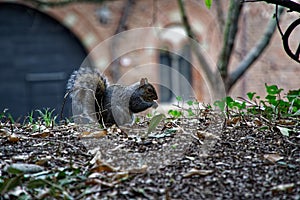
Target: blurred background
(42, 42)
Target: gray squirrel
(94, 100)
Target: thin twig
(277, 21)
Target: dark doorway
(175, 75)
(37, 56)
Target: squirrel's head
(147, 91)
(143, 97)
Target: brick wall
(273, 67)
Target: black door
(37, 55)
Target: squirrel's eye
(149, 89)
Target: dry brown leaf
(95, 134)
(206, 135)
(258, 122)
(233, 121)
(286, 122)
(141, 170)
(200, 172)
(43, 161)
(13, 138)
(41, 134)
(283, 187)
(104, 168)
(273, 157)
(85, 133)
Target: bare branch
(254, 53)
(215, 82)
(231, 28)
(220, 14)
(292, 5)
(61, 2)
(185, 21)
(193, 40)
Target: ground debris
(191, 159)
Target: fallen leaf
(43, 161)
(26, 168)
(258, 122)
(155, 121)
(206, 135)
(194, 172)
(140, 170)
(95, 134)
(273, 157)
(233, 121)
(190, 158)
(13, 138)
(284, 131)
(283, 187)
(286, 122)
(103, 168)
(41, 134)
(21, 157)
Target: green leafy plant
(47, 116)
(5, 116)
(57, 181)
(273, 106)
(274, 112)
(175, 113)
(190, 108)
(30, 118)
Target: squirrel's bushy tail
(87, 78)
(82, 88)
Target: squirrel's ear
(144, 81)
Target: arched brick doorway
(37, 56)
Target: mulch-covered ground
(203, 158)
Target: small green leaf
(190, 102)
(262, 128)
(220, 104)
(179, 98)
(272, 89)
(190, 112)
(149, 115)
(208, 3)
(229, 100)
(175, 113)
(155, 121)
(251, 95)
